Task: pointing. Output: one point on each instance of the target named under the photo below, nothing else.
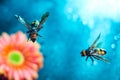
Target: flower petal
(20, 38)
(33, 73)
(27, 75)
(15, 75)
(6, 38)
(33, 59)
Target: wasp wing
(19, 18)
(93, 45)
(101, 58)
(43, 19)
(99, 44)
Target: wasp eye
(35, 23)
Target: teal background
(71, 27)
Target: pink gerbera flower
(19, 59)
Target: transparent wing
(93, 45)
(100, 58)
(43, 19)
(19, 18)
(99, 44)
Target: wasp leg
(92, 59)
(28, 38)
(87, 58)
(39, 35)
(27, 31)
(40, 28)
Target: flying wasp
(94, 52)
(34, 27)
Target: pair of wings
(94, 43)
(97, 56)
(101, 58)
(28, 25)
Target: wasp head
(35, 23)
(83, 53)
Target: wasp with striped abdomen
(34, 27)
(94, 52)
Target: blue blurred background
(71, 27)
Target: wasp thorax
(35, 23)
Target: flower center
(16, 58)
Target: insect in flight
(34, 27)
(94, 52)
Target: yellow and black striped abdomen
(101, 51)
